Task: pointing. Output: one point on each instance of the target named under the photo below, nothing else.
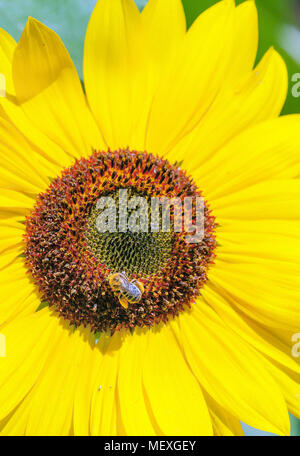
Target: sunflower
(164, 112)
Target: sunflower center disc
(139, 253)
(72, 260)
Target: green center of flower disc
(139, 253)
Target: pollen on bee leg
(124, 303)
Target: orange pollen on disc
(120, 278)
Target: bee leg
(123, 302)
(139, 285)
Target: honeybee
(128, 292)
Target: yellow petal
(231, 372)
(278, 360)
(161, 42)
(114, 70)
(51, 95)
(104, 404)
(10, 242)
(133, 408)
(246, 41)
(86, 383)
(11, 233)
(25, 357)
(15, 424)
(289, 385)
(240, 231)
(160, 47)
(174, 397)
(264, 294)
(19, 295)
(241, 248)
(22, 168)
(12, 230)
(273, 199)
(7, 48)
(269, 150)
(12, 200)
(224, 424)
(253, 333)
(15, 271)
(54, 152)
(191, 84)
(256, 98)
(57, 382)
(244, 241)
(9, 256)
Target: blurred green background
(279, 22)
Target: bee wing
(139, 285)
